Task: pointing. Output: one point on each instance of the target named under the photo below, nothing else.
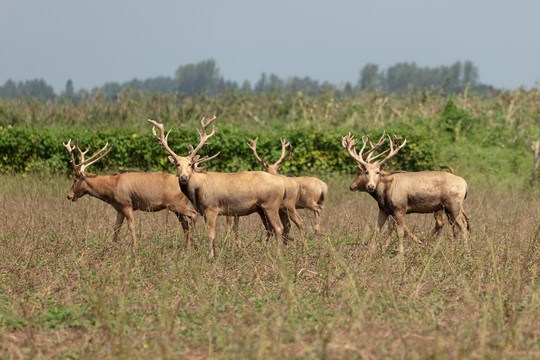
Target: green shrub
(27, 149)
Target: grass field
(67, 291)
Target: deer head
(79, 187)
(186, 165)
(368, 175)
(270, 168)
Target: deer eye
(367, 172)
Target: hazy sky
(94, 42)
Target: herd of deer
(274, 197)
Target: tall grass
(67, 291)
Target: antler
(393, 151)
(381, 141)
(203, 135)
(284, 145)
(70, 149)
(192, 152)
(253, 147)
(349, 143)
(83, 164)
(162, 138)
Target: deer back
(420, 192)
(240, 193)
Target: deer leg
(411, 235)
(299, 222)
(400, 227)
(286, 222)
(459, 223)
(186, 227)
(264, 219)
(232, 227)
(381, 220)
(128, 213)
(118, 225)
(467, 220)
(439, 224)
(273, 218)
(318, 217)
(211, 220)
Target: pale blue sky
(93, 42)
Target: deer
(400, 193)
(128, 191)
(226, 194)
(310, 191)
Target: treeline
(204, 78)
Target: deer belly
(424, 207)
(423, 200)
(148, 206)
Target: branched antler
(252, 144)
(284, 145)
(192, 152)
(83, 164)
(162, 138)
(349, 143)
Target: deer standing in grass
(130, 191)
(228, 194)
(400, 193)
(307, 192)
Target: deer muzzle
(184, 179)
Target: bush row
(29, 149)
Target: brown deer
(400, 193)
(228, 194)
(130, 191)
(310, 191)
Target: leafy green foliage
(26, 149)
(454, 121)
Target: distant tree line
(403, 77)
(37, 89)
(204, 77)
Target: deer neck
(102, 187)
(194, 190)
(382, 190)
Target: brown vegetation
(68, 292)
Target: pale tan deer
(310, 193)
(130, 191)
(228, 194)
(400, 193)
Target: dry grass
(67, 291)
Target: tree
(197, 78)
(69, 92)
(369, 77)
(470, 73)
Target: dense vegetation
(487, 136)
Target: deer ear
(83, 175)
(361, 166)
(173, 160)
(382, 166)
